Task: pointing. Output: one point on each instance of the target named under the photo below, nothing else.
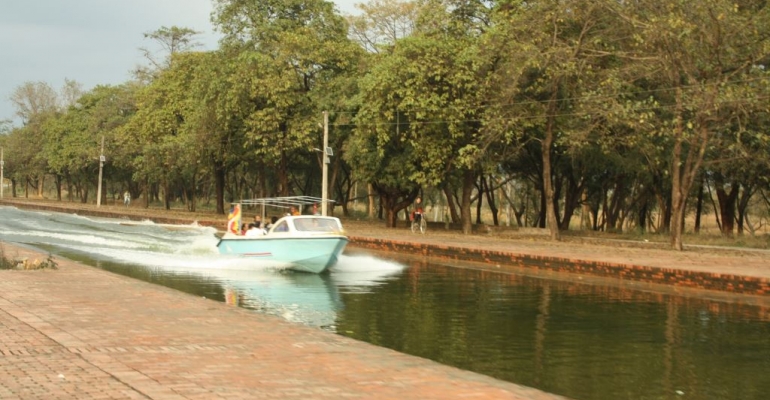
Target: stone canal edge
(752, 289)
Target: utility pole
(2, 171)
(101, 167)
(325, 173)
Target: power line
(591, 97)
(525, 118)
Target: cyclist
(417, 213)
(417, 217)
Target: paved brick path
(83, 333)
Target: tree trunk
(372, 202)
(58, 187)
(727, 207)
(743, 203)
(677, 193)
(147, 193)
(391, 213)
(541, 218)
(686, 172)
(699, 207)
(480, 199)
(68, 179)
(283, 176)
(616, 205)
(642, 220)
(469, 177)
(166, 195)
(84, 194)
(394, 200)
(450, 201)
(550, 211)
(219, 179)
(191, 193)
(571, 202)
(491, 200)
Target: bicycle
(418, 223)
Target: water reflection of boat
(311, 299)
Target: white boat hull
(312, 254)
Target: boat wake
(189, 253)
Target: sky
(94, 42)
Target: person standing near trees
(127, 198)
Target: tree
(382, 23)
(157, 129)
(292, 48)
(423, 96)
(72, 151)
(35, 102)
(172, 41)
(551, 54)
(707, 54)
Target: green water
(573, 339)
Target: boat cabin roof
(283, 202)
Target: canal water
(562, 336)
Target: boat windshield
(316, 225)
(281, 227)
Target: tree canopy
(630, 115)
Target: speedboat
(307, 243)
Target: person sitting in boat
(258, 221)
(254, 230)
(234, 219)
(272, 222)
(294, 211)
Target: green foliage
(619, 105)
(288, 53)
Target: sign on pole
(2, 171)
(102, 159)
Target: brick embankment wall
(506, 261)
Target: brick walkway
(83, 333)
